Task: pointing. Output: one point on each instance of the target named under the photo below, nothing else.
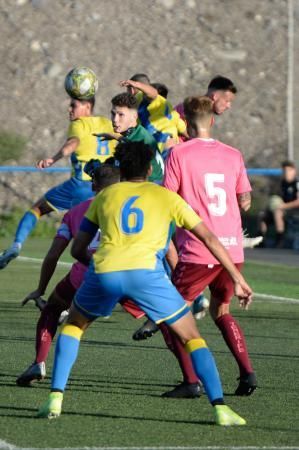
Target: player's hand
(171, 142)
(244, 293)
(36, 297)
(44, 163)
(107, 136)
(128, 83)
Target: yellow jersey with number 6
(136, 222)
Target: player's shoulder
(229, 148)
(163, 192)
(181, 149)
(76, 211)
(80, 208)
(102, 120)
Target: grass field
(113, 399)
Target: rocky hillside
(181, 43)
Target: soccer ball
(81, 83)
(200, 306)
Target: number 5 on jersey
(217, 195)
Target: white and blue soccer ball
(81, 83)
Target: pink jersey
(68, 229)
(208, 174)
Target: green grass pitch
(113, 398)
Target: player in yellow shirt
(156, 113)
(135, 218)
(81, 146)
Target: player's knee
(58, 303)
(218, 309)
(41, 207)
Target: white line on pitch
(39, 260)
(6, 446)
(275, 298)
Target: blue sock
(205, 368)
(66, 352)
(26, 225)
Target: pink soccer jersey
(68, 229)
(208, 175)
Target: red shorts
(191, 279)
(66, 290)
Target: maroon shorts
(66, 290)
(191, 279)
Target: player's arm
(242, 290)
(108, 136)
(66, 150)
(172, 256)
(244, 201)
(87, 232)
(48, 268)
(149, 91)
(290, 205)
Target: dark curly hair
(134, 159)
(125, 99)
(106, 174)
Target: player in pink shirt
(211, 177)
(221, 91)
(61, 297)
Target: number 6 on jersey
(131, 218)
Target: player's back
(90, 146)
(208, 175)
(136, 223)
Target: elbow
(245, 204)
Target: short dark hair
(142, 77)
(106, 174)
(91, 101)
(134, 159)
(125, 99)
(161, 88)
(288, 163)
(196, 107)
(220, 83)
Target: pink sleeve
(172, 174)
(243, 184)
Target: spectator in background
(281, 206)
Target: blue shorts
(68, 194)
(151, 290)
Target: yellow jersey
(90, 147)
(160, 119)
(136, 222)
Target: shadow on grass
(99, 415)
